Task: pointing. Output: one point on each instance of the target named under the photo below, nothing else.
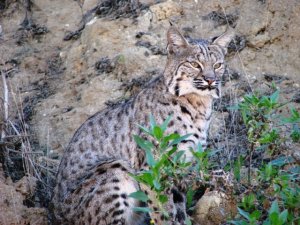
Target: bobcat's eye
(217, 66)
(195, 65)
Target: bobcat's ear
(176, 42)
(224, 40)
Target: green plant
(274, 183)
(257, 113)
(275, 216)
(166, 164)
(248, 218)
(267, 173)
(237, 164)
(294, 120)
(248, 202)
(277, 182)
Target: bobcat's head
(195, 66)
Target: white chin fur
(212, 93)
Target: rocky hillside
(64, 60)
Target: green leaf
(274, 218)
(188, 221)
(142, 209)
(139, 195)
(269, 137)
(189, 197)
(268, 172)
(295, 135)
(171, 152)
(238, 222)
(178, 156)
(245, 117)
(156, 184)
(274, 97)
(160, 163)
(266, 222)
(147, 146)
(170, 137)
(158, 133)
(282, 160)
(145, 177)
(152, 121)
(244, 213)
(283, 216)
(295, 113)
(165, 141)
(255, 215)
(146, 130)
(166, 123)
(295, 170)
(164, 159)
(163, 198)
(150, 159)
(237, 168)
(180, 139)
(265, 102)
(295, 118)
(233, 107)
(274, 207)
(143, 144)
(248, 202)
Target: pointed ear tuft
(225, 39)
(176, 42)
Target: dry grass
(18, 156)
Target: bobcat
(93, 182)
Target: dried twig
(5, 103)
(29, 165)
(5, 117)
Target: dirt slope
(58, 84)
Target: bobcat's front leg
(174, 208)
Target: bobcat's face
(197, 66)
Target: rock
(214, 208)
(13, 212)
(219, 18)
(88, 5)
(296, 152)
(2, 177)
(296, 97)
(26, 186)
(275, 78)
(254, 18)
(166, 10)
(254, 174)
(259, 40)
(11, 205)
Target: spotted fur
(93, 182)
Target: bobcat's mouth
(212, 90)
(207, 87)
(199, 84)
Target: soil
(64, 60)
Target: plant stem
(250, 162)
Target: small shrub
(167, 166)
(275, 197)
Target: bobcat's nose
(209, 77)
(209, 80)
